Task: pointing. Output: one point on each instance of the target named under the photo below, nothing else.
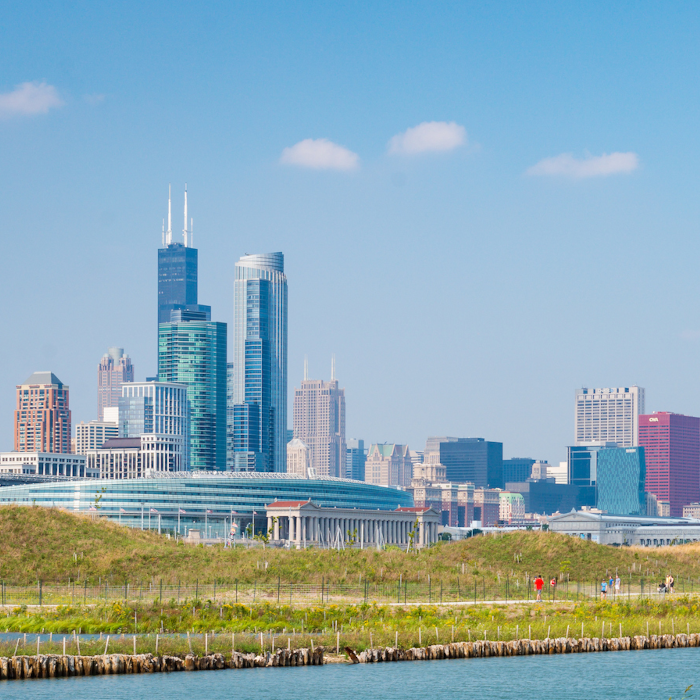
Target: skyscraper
(319, 422)
(260, 363)
(42, 418)
(355, 459)
(473, 460)
(609, 415)
(114, 369)
(389, 465)
(672, 445)
(192, 348)
(193, 353)
(177, 271)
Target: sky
(482, 206)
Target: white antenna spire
(184, 230)
(169, 232)
(306, 367)
(333, 367)
(162, 235)
(191, 233)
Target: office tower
(672, 446)
(260, 364)
(559, 472)
(137, 457)
(389, 465)
(42, 418)
(299, 459)
(620, 479)
(355, 459)
(473, 460)
(90, 436)
(517, 469)
(193, 353)
(114, 369)
(614, 476)
(177, 272)
(319, 421)
(609, 415)
(229, 417)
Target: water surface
(632, 675)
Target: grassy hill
(53, 545)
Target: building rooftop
(121, 443)
(43, 378)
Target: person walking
(671, 583)
(603, 589)
(618, 584)
(539, 583)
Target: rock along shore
(57, 666)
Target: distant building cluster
(203, 414)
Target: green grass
(359, 625)
(55, 546)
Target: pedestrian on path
(618, 584)
(539, 583)
(603, 589)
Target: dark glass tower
(177, 273)
(192, 349)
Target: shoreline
(58, 666)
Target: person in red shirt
(539, 583)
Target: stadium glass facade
(193, 353)
(207, 501)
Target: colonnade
(310, 524)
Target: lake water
(632, 675)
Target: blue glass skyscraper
(177, 272)
(260, 364)
(192, 349)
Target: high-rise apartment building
(260, 364)
(355, 459)
(229, 417)
(319, 422)
(177, 272)
(92, 435)
(114, 369)
(193, 353)
(672, 445)
(389, 465)
(473, 460)
(43, 417)
(609, 415)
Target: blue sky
(537, 233)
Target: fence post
(430, 589)
(278, 590)
(161, 591)
(236, 591)
(85, 593)
(40, 593)
(196, 588)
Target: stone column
(421, 532)
(269, 523)
(276, 529)
(290, 534)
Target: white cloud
(29, 98)
(429, 136)
(320, 154)
(590, 166)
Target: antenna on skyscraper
(191, 233)
(306, 367)
(169, 232)
(162, 235)
(333, 367)
(184, 230)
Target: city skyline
(484, 193)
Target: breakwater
(59, 666)
(524, 647)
